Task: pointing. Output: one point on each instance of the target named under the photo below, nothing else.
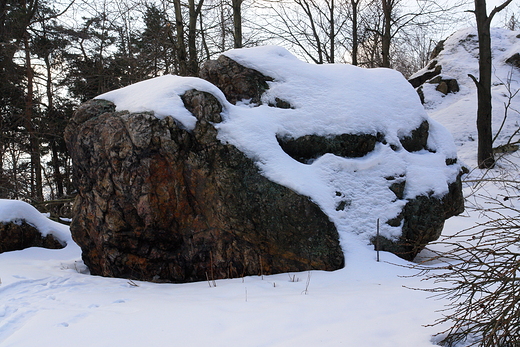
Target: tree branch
(477, 83)
(497, 9)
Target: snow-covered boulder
(339, 121)
(245, 181)
(22, 226)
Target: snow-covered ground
(47, 297)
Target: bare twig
(479, 274)
(306, 290)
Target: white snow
(47, 297)
(336, 99)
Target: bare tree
(388, 7)
(194, 12)
(182, 56)
(484, 107)
(354, 6)
(316, 29)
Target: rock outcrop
(432, 74)
(18, 235)
(158, 202)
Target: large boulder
(159, 202)
(260, 171)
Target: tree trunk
(484, 106)
(332, 32)
(181, 47)
(58, 179)
(194, 12)
(387, 36)
(354, 4)
(237, 23)
(203, 39)
(2, 178)
(36, 170)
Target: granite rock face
(157, 202)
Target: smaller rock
(445, 84)
(18, 235)
(451, 161)
(281, 104)
(398, 187)
(442, 87)
(514, 60)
